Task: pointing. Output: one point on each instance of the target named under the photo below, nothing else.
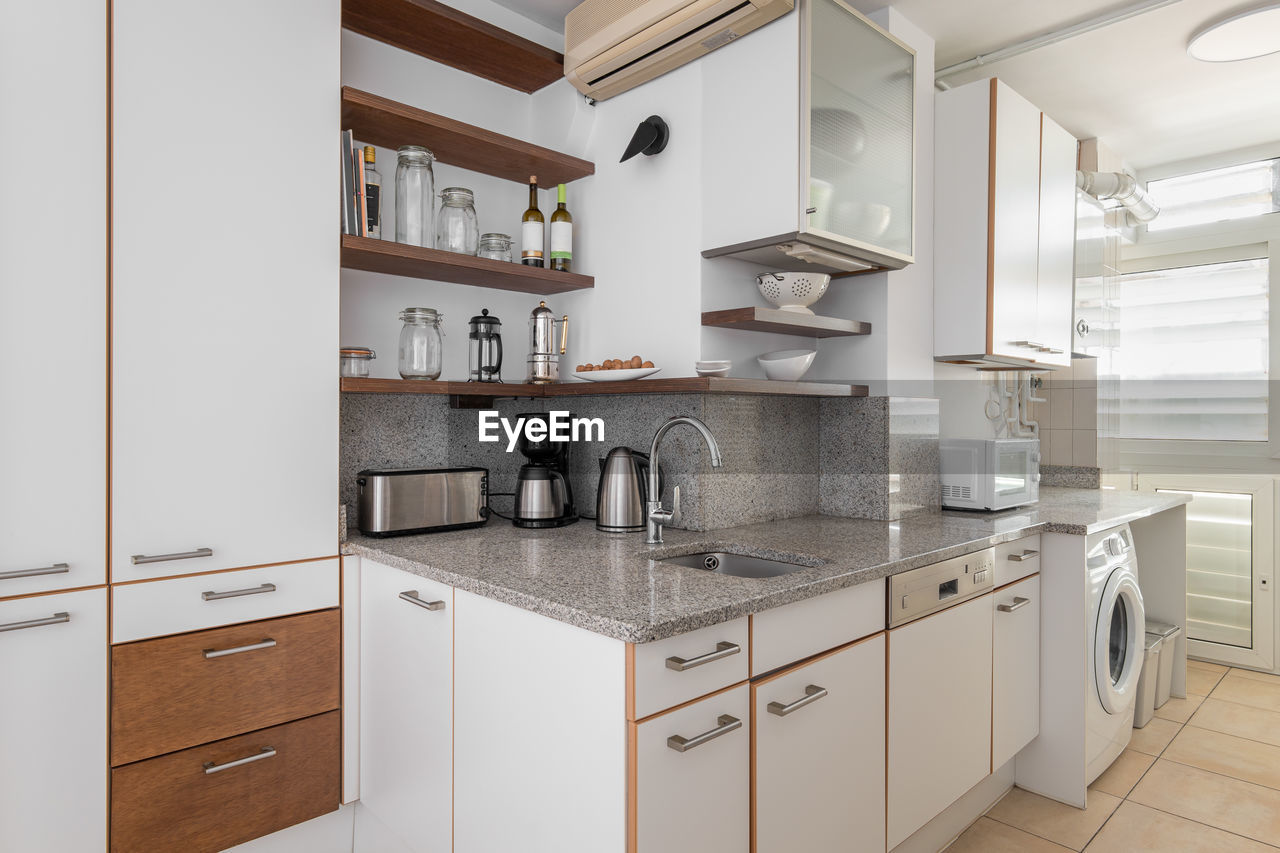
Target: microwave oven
(990, 473)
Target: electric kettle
(620, 499)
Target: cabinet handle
(236, 593)
(210, 654)
(1029, 344)
(723, 650)
(412, 596)
(1018, 601)
(140, 559)
(1051, 350)
(812, 694)
(1025, 555)
(36, 623)
(726, 725)
(265, 752)
(55, 569)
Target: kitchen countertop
(613, 584)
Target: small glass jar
(355, 362)
(456, 227)
(496, 247)
(421, 345)
(415, 196)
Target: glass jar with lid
(421, 344)
(495, 246)
(415, 196)
(354, 362)
(456, 227)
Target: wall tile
(1061, 408)
(1085, 372)
(1059, 447)
(1084, 408)
(1084, 448)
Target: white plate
(615, 375)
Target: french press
(544, 361)
(484, 348)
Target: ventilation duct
(1121, 187)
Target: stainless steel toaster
(398, 501)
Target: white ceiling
(1131, 84)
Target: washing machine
(1117, 625)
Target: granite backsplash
(859, 457)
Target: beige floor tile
(1249, 691)
(991, 836)
(1226, 754)
(1243, 721)
(1119, 779)
(1154, 736)
(1179, 710)
(1206, 666)
(1065, 825)
(1201, 682)
(1255, 676)
(1239, 807)
(1138, 829)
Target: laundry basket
(1145, 705)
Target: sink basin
(735, 564)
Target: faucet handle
(675, 507)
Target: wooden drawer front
(173, 803)
(177, 605)
(659, 686)
(166, 694)
(1017, 559)
(784, 635)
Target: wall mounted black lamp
(650, 138)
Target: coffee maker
(543, 497)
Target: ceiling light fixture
(1247, 35)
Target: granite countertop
(613, 584)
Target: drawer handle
(411, 596)
(812, 694)
(726, 725)
(236, 593)
(265, 752)
(55, 569)
(139, 559)
(210, 654)
(1029, 344)
(723, 650)
(1018, 601)
(36, 623)
(1025, 555)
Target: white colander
(793, 291)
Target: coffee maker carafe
(543, 497)
(544, 361)
(484, 348)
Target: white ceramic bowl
(792, 291)
(712, 368)
(863, 219)
(787, 364)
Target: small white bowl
(712, 368)
(788, 364)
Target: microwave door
(1011, 478)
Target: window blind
(1217, 195)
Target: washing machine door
(1117, 653)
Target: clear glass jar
(421, 345)
(354, 362)
(456, 227)
(415, 196)
(495, 246)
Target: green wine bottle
(561, 236)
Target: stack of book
(355, 210)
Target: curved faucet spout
(657, 516)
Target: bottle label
(372, 195)
(531, 240)
(562, 241)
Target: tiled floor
(1202, 777)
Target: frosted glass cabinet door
(860, 101)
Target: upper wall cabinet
(1004, 220)
(224, 284)
(813, 171)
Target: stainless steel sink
(736, 565)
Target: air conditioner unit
(615, 45)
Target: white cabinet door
(1015, 688)
(53, 722)
(53, 296)
(224, 283)
(406, 707)
(939, 713)
(692, 777)
(820, 756)
(1055, 286)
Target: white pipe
(1121, 187)
(1046, 39)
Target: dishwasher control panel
(929, 589)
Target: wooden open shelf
(679, 385)
(438, 32)
(784, 322)
(386, 256)
(381, 121)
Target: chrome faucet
(656, 515)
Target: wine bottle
(561, 235)
(531, 229)
(372, 193)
